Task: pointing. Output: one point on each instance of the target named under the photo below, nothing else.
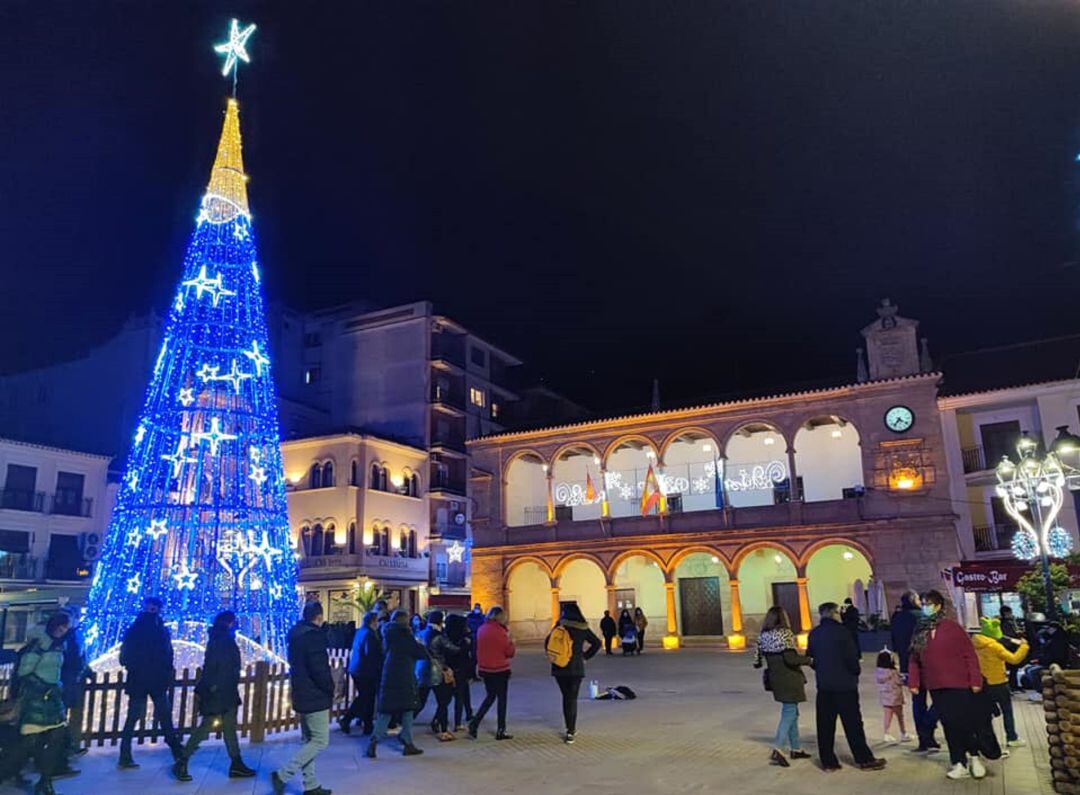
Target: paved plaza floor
(701, 724)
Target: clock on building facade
(899, 419)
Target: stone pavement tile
(702, 724)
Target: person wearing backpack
(568, 646)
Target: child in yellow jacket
(993, 657)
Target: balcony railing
(448, 397)
(441, 481)
(451, 440)
(974, 459)
(989, 538)
(449, 347)
(67, 504)
(22, 500)
(19, 566)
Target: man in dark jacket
(218, 690)
(397, 687)
(902, 628)
(609, 630)
(431, 673)
(312, 688)
(475, 620)
(365, 668)
(147, 654)
(836, 666)
(73, 677)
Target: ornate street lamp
(1032, 491)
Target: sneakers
(569, 738)
(873, 764)
(1017, 743)
(777, 758)
(503, 734)
(958, 771)
(411, 750)
(975, 767)
(888, 739)
(905, 737)
(473, 728)
(799, 754)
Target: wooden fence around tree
(264, 692)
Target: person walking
(41, 706)
(890, 686)
(475, 620)
(494, 651)
(943, 660)
(312, 687)
(640, 622)
(365, 668)
(1012, 628)
(923, 714)
(784, 677)
(574, 643)
(993, 657)
(218, 690)
(609, 630)
(627, 633)
(397, 685)
(147, 653)
(433, 675)
(73, 677)
(837, 669)
(850, 618)
(463, 666)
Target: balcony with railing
(22, 500)
(19, 566)
(452, 396)
(70, 503)
(993, 538)
(448, 347)
(974, 459)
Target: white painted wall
(647, 580)
(526, 487)
(828, 464)
(628, 467)
(757, 573)
(530, 602)
(746, 452)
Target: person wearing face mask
(943, 661)
(218, 690)
(924, 716)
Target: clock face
(899, 418)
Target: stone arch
(832, 571)
(753, 424)
(566, 560)
(528, 583)
(615, 444)
(699, 430)
(570, 446)
(626, 463)
(582, 578)
(766, 579)
(573, 466)
(828, 457)
(820, 544)
(756, 464)
(777, 546)
(525, 489)
(622, 557)
(518, 561)
(694, 549)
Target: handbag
(765, 681)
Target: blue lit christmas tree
(200, 517)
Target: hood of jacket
(565, 622)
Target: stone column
(554, 604)
(804, 604)
(793, 476)
(736, 640)
(611, 600)
(671, 640)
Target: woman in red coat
(943, 661)
(494, 650)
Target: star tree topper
(235, 49)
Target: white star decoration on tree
(275, 591)
(264, 550)
(134, 583)
(134, 537)
(185, 577)
(258, 474)
(157, 529)
(204, 284)
(235, 49)
(235, 377)
(214, 436)
(187, 396)
(179, 457)
(257, 357)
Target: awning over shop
(997, 576)
(457, 601)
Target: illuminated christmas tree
(200, 518)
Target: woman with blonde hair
(783, 676)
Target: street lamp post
(1032, 490)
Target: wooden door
(786, 594)
(699, 598)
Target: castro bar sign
(997, 577)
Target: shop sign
(995, 577)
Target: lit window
(311, 375)
(477, 396)
(495, 410)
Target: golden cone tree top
(226, 195)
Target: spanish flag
(651, 494)
(590, 489)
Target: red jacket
(948, 661)
(494, 649)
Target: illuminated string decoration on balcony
(201, 522)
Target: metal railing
(69, 504)
(974, 459)
(22, 500)
(448, 397)
(19, 566)
(989, 538)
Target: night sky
(716, 194)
